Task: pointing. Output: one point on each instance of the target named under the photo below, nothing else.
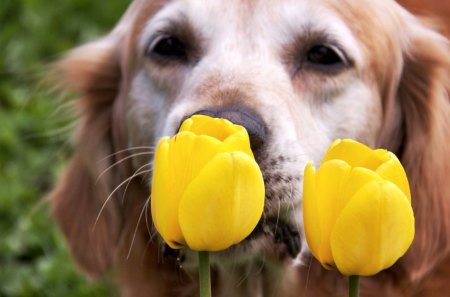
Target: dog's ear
(92, 71)
(421, 139)
(85, 202)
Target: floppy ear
(93, 72)
(423, 131)
(85, 202)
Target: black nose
(252, 122)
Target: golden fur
(414, 84)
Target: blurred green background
(34, 132)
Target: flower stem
(204, 274)
(353, 288)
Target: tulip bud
(357, 209)
(207, 189)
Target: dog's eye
(324, 55)
(169, 48)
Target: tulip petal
(188, 154)
(186, 125)
(217, 128)
(373, 230)
(357, 178)
(348, 150)
(223, 204)
(393, 171)
(163, 202)
(330, 179)
(354, 153)
(311, 220)
(239, 141)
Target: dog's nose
(252, 122)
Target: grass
(34, 145)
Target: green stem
(204, 274)
(353, 289)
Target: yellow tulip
(207, 189)
(357, 209)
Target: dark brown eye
(324, 55)
(168, 48)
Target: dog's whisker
(120, 161)
(246, 275)
(153, 234)
(278, 216)
(149, 148)
(135, 230)
(292, 206)
(263, 263)
(307, 276)
(138, 172)
(144, 252)
(128, 181)
(264, 218)
(108, 198)
(146, 221)
(240, 281)
(143, 172)
(234, 268)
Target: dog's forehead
(253, 24)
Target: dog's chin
(272, 241)
(280, 240)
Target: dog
(297, 74)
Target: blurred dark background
(35, 125)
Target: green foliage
(34, 129)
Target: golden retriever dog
(297, 74)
